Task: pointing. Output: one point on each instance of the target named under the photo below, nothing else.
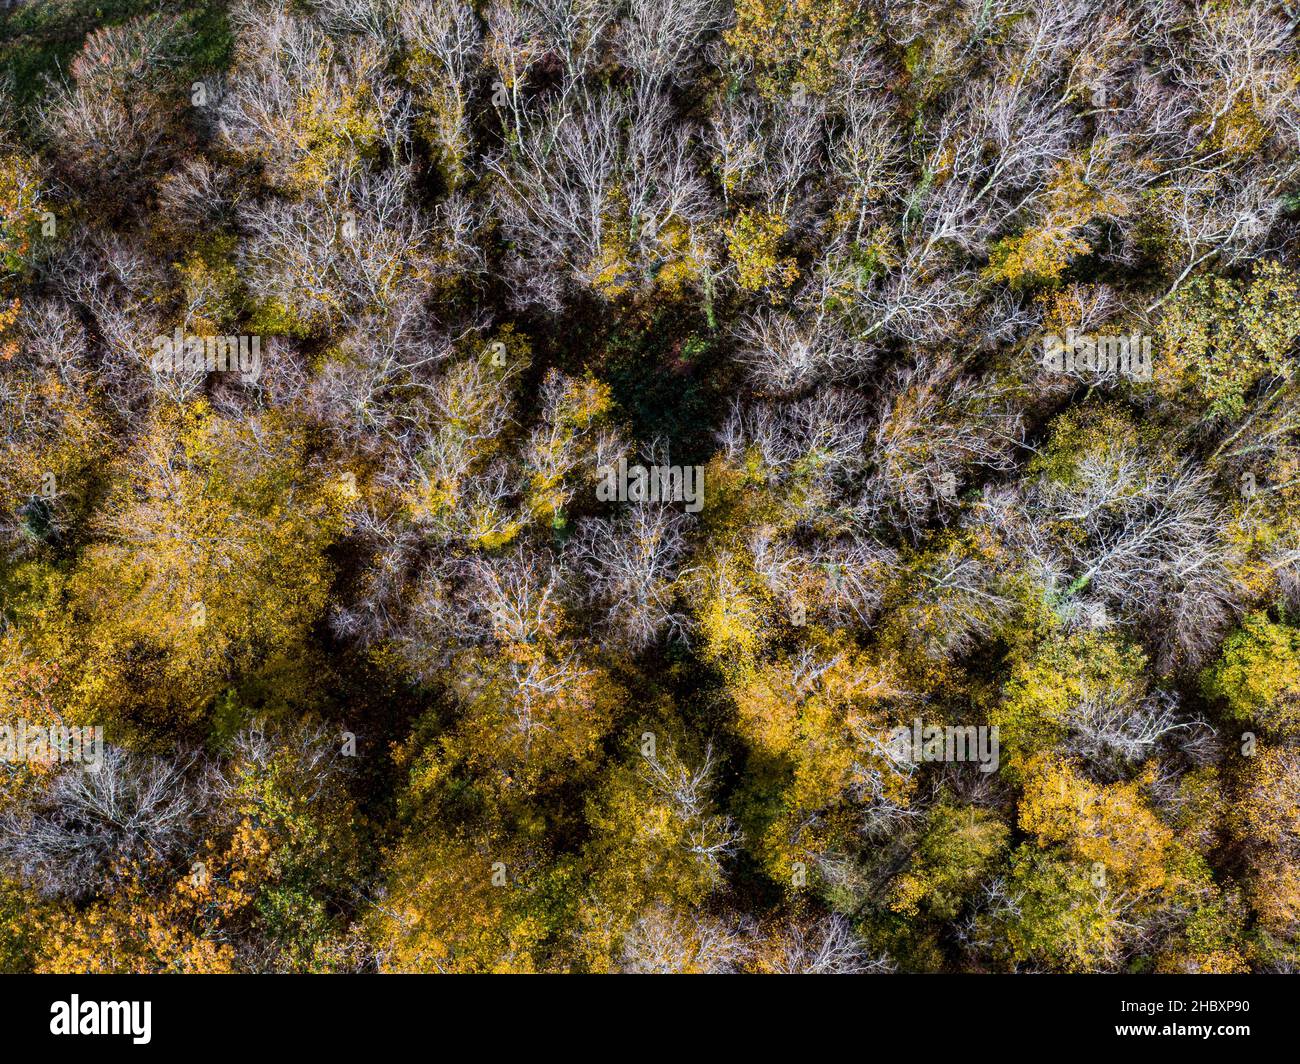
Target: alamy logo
(211, 354)
(921, 743)
(624, 483)
(102, 1017)
(46, 744)
(1129, 356)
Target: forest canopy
(649, 486)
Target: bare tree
(938, 429)
(589, 187)
(1150, 547)
(660, 39)
(447, 38)
(629, 567)
(823, 947)
(867, 156)
(110, 123)
(817, 444)
(330, 258)
(788, 350)
(710, 838)
(93, 825)
(664, 942)
(999, 145)
(1113, 731)
(290, 79)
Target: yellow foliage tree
(1110, 826)
(210, 561)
